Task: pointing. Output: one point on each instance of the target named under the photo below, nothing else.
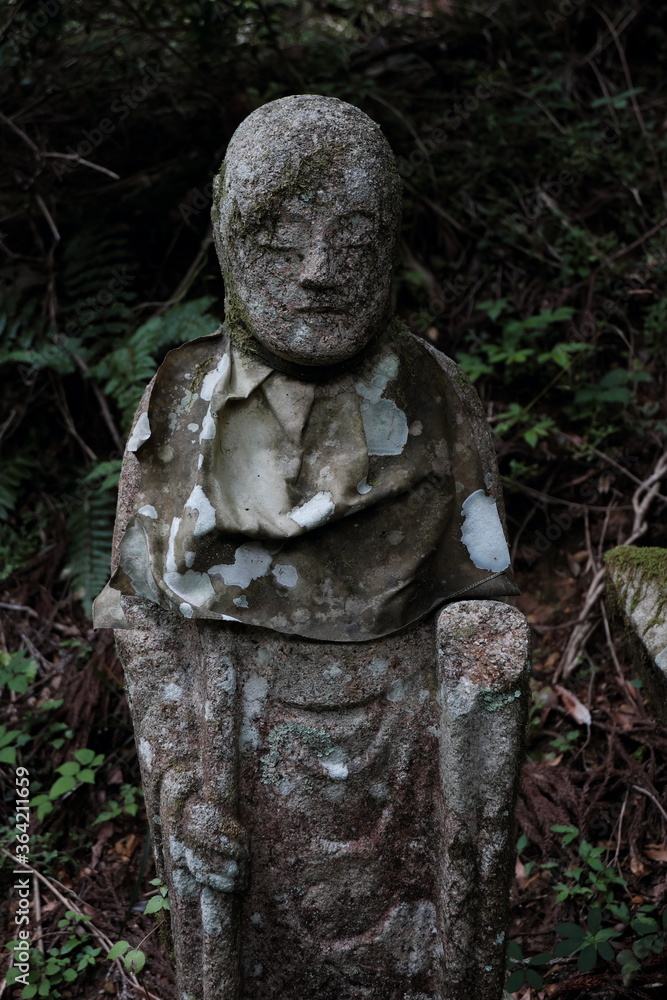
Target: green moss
(201, 370)
(493, 701)
(316, 740)
(631, 571)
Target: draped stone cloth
(339, 508)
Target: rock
(637, 597)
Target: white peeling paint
(314, 512)
(200, 461)
(211, 380)
(207, 427)
(205, 511)
(141, 433)
(186, 609)
(385, 427)
(363, 488)
(251, 562)
(482, 533)
(170, 562)
(385, 370)
(189, 558)
(193, 427)
(148, 511)
(241, 602)
(285, 575)
(196, 588)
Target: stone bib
(265, 498)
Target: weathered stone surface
(271, 462)
(333, 817)
(333, 820)
(637, 594)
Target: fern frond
(126, 370)
(90, 527)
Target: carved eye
(287, 232)
(353, 230)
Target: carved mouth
(324, 310)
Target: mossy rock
(637, 603)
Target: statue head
(305, 219)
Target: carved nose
(316, 270)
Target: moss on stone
(638, 568)
(316, 740)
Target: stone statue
(329, 765)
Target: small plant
(651, 938)
(126, 805)
(592, 880)
(61, 966)
(522, 970)
(134, 959)
(587, 942)
(159, 901)
(17, 671)
(72, 773)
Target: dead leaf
(637, 867)
(574, 707)
(656, 852)
(126, 846)
(551, 660)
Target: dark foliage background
(531, 138)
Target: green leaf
(534, 979)
(543, 958)
(62, 785)
(156, 903)
(570, 930)
(587, 959)
(69, 768)
(645, 925)
(606, 950)
(594, 919)
(514, 981)
(84, 756)
(119, 949)
(567, 947)
(69, 975)
(135, 961)
(87, 776)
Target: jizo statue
(329, 763)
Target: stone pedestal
(334, 821)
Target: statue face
(313, 275)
